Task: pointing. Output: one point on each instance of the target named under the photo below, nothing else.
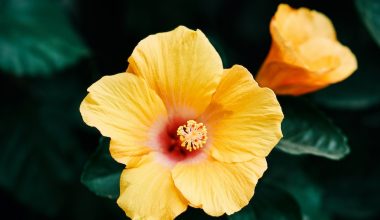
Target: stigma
(193, 135)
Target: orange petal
(287, 79)
(218, 187)
(295, 26)
(181, 66)
(243, 120)
(124, 108)
(330, 61)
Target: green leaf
(359, 91)
(270, 202)
(307, 131)
(243, 215)
(195, 213)
(40, 154)
(36, 38)
(370, 14)
(247, 213)
(290, 173)
(102, 173)
(362, 201)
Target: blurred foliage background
(52, 50)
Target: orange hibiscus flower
(305, 54)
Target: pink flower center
(182, 139)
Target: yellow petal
(218, 187)
(124, 108)
(147, 191)
(123, 153)
(243, 120)
(305, 54)
(181, 66)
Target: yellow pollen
(193, 135)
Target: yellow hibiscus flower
(188, 131)
(305, 55)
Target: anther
(193, 135)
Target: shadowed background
(51, 51)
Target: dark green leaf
(247, 213)
(84, 204)
(36, 38)
(359, 91)
(102, 173)
(40, 155)
(307, 131)
(370, 14)
(288, 172)
(195, 213)
(354, 196)
(270, 202)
